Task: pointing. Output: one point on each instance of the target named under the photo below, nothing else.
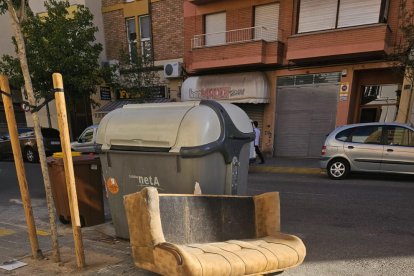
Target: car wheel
(338, 169)
(30, 155)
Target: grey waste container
(173, 146)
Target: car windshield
(24, 130)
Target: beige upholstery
(270, 251)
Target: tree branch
(23, 11)
(12, 11)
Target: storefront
(250, 91)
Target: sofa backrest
(206, 218)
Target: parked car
(51, 141)
(86, 141)
(369, 147)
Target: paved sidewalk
(104, 253)
(288, 165)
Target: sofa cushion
(242, 257)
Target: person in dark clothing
(256, 142)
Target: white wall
(6, 44)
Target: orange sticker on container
(112, 185)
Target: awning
(250, 87)
(120, 103)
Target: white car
(86, 141)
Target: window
(357, 12)
(87, 136)
(343, 135)
(144, 27)
(266, 22)
(132, 37)
(379, 103)
(366, 135)
(399, 136)
(145, 36)
(215, 29)
(332, 14)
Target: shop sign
(251, 87)
(105, 92)
(216, 93)
(152, 92)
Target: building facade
(152, 28)
(313, 65)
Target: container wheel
(30, 155)
(63, 220)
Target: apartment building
(152, 28)
(299, 67)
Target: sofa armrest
(143, 215)
(267, 214)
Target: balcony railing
(267, 34)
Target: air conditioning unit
(173, 69)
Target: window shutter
(357, 12)
(317, 15)
(215, 29)
(266, 16)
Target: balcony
(354, 42)
(255, 46)
(201, 2)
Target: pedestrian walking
(256, 142)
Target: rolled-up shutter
(215, 29)
(357, 12)
(266, 16)
(317, 15)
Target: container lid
(171, 127)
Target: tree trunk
(39, 138)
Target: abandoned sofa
(207, 235)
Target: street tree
(403, 54)
(60, 40)
(17, 11)
(403, 57)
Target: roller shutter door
(304, 116)
(254, 111)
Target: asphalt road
(360, 226)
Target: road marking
(293, 170)
(42, 232)
(6, 232)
